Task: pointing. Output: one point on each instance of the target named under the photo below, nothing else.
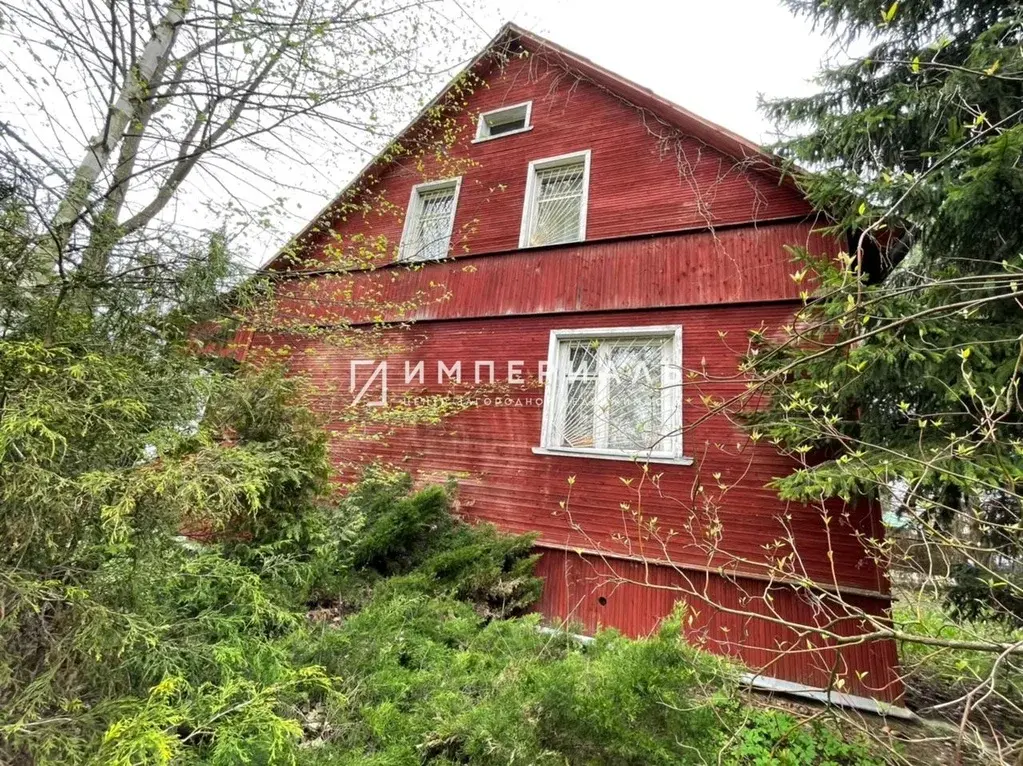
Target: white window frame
(529, 203)
(554, 393)
(488, 118)
(413, 211)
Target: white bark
(119, 117)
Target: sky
(713, 57)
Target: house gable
(654, 167)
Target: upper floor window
(504, 121)
(429, 221)
(556, 196)
(614, 392)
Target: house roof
(714, 135)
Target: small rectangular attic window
(504, 121)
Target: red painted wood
(490, 447)
(736, 265)
(645, 175)
(678, 232)
(736, 617)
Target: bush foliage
(124, 642)
(428, 680)
(119, 642)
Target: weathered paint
(683, 228)
(733, 265)
(747, 619)
(502, 480)
(489, 449)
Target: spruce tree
(899, 378)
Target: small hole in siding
(602, 601)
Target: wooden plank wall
(489, 446)
(735, 265)
(644, 176)
(736, 617)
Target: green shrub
(651, 701)
(429, 680)
(491, 570)
(413, 540)
(426, 679)
(772, 738)
(400, 530)
(123, 643)
(410, 665)
(119, 643)
(184, 662)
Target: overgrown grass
(926, 617)
(936, 675)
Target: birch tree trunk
(213, 117)
(126, 108)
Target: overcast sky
(712, 57)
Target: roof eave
(351, 185)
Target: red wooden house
(582, 261)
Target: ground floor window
(614, 392)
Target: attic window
(557, 192)
(429, 221)
(504, 121)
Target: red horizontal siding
(769, 628)
(735, 265)
(490, 447)
(645, 176)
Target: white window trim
(413, 210)
(553, 395)
(529, 203)
(483, 122)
